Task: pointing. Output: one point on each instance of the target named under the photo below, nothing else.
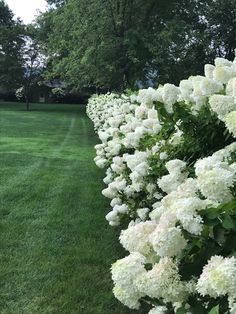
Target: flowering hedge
(170, 159)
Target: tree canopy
(118, 44)
(11, 41)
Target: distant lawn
(55, 246)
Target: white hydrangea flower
(186, 89)
(222, 104)
(100, 162)
(163, 281)
(116, 201)
(167, 241)
(136, 238)
(176, 176)
(134, 160)
(175, 165)
(159, 94)
(141, 112)
(196, 81)
(188, 188)
(158, 210)
(215, 177)
(147, 96)
(232, 304)
(176, 138)
(231, 87)
(209, 86)
(222, 62)
(163, 155)
(152, 114)
(170, 94)
(171, 182)
(151, 188)
(114, 223)
(223, 74)
(125, 272)
(225, 153)
(218, 277)
(142, 213)
(109, 192)
(158, 310)
(183, 205)
(230, 122)
(129, 191)
(121, 209)
(142, 168)
(128, 297)
(186, 213)
(113, 218)
(208, 70)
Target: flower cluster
(170, 160)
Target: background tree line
(118, 44)
(21, 58)
(11, 42)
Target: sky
(26, 9)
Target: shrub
(170, 159)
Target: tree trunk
(27, 97)
(27, 103)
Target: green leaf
(215, 310)
(219, 235)
(228, 222)
(230, 244)
(229, 207)
(181, 310)
(211, 213)
(233, 254)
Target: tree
(33, 65)
(115, 44)
(56, 3)
(11, 41)
(103, 44)
(221, 16)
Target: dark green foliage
(200, 137)
(57, 3)
(217, 238)
(221, 15)
(117, 44)
(11, 41)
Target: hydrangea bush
(170, 160)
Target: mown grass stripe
(56, 247)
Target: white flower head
(218, 277)
(124, 274)
(230, 122)
(167, 241)
(170, 94)
(136, 238)
(158, 310)
(223, 74)
(208, 70)
(222, 104)
(163, 281)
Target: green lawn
(55, 245)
